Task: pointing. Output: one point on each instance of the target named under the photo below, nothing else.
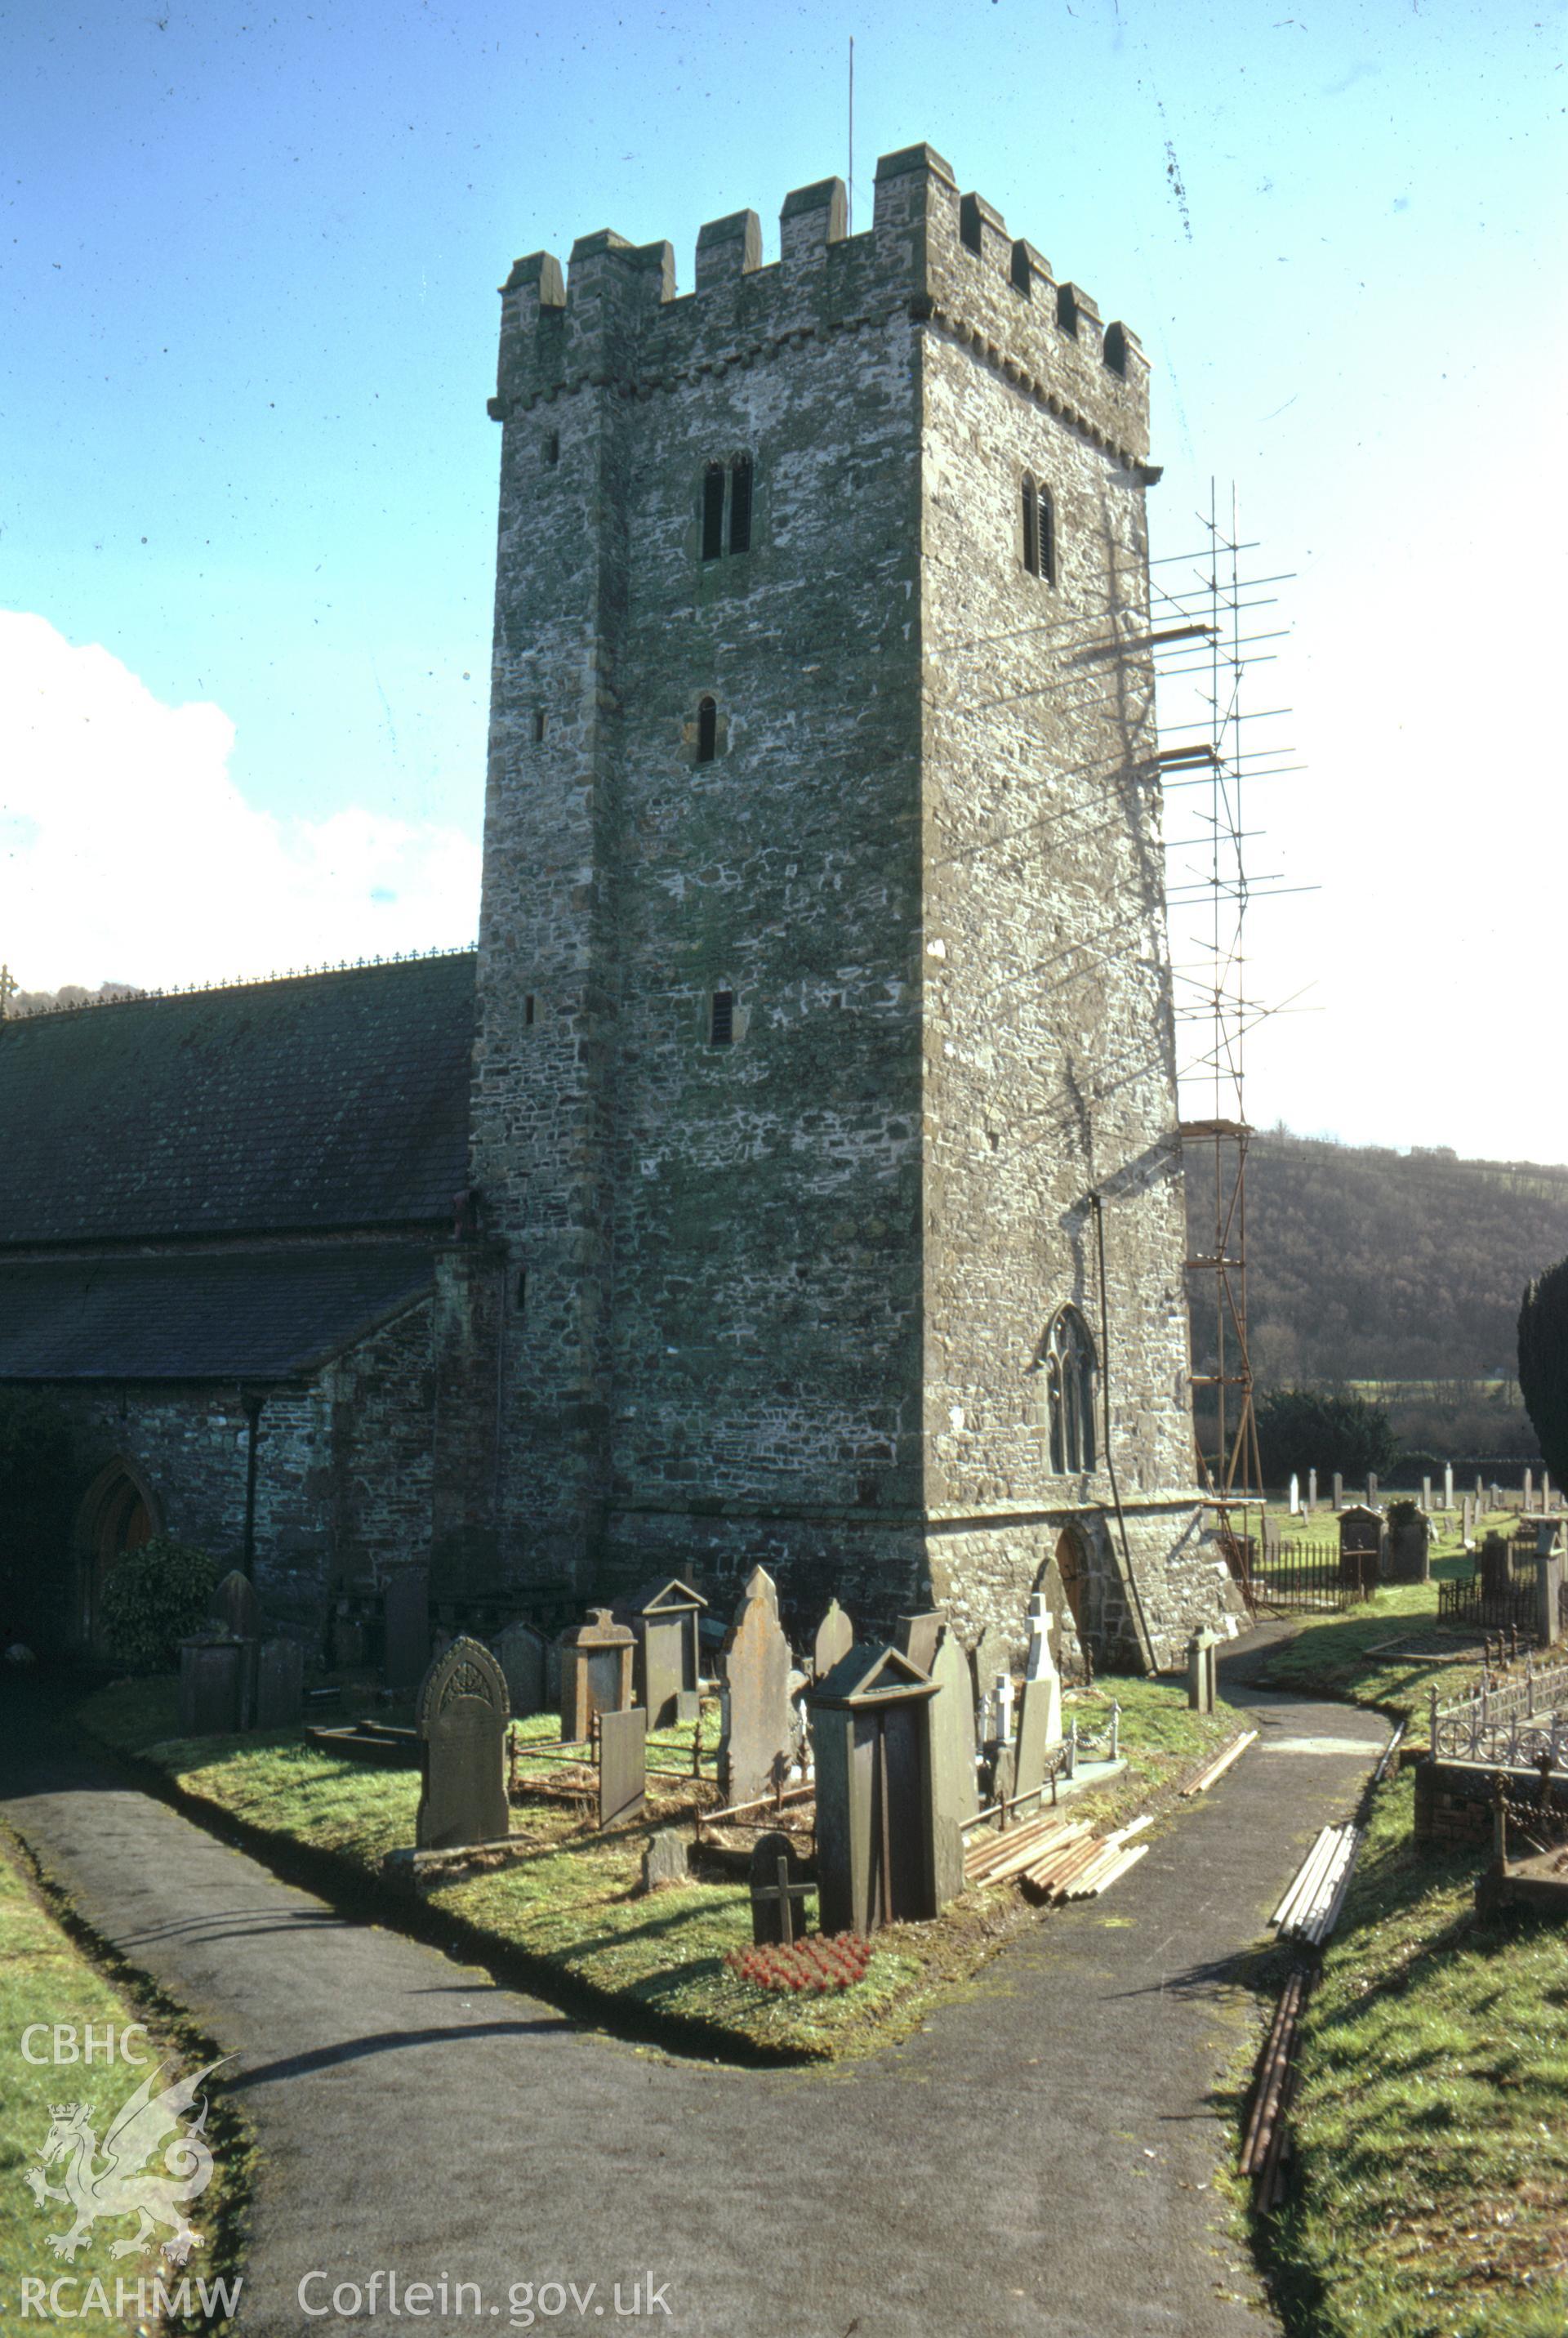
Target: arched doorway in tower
(119, 1512)
(1066, 1585)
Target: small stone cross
(786, 1893)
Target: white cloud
(127, 854)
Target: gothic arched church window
(1069, 1364)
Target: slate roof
(195, 1315)
(320, 1101)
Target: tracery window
(1069, 1364)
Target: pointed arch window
(707, 730)
(1070, 1372)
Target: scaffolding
(1211, 627)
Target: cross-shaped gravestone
(775, 1888)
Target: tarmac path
(1037, 2160)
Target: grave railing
(1311, 1578)
(1519, 1722)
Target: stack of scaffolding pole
(999, 1856)
(1081, 1870)
(1265, 2142)
(1310, 1907)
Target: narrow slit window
(707, 730)
(520, 1297)
(1045, 536)
(552, 447)
(713, 511)
(538, 725)
(741, 505)
(721, 1019)
(528, 1007)
(1031, 528)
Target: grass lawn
(1360, 1656)
(567, 1915)
(1431, 2196)
(50, 1978)
(1431, 2117)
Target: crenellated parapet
(942, 259)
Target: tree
(1301, 1429)
(1544, 1364)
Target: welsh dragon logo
(110, 2182)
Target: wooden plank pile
(1055, 1858)
(1310, 1907)
(1266, 2144)
(1204, 1779)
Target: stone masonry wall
(343, 1469)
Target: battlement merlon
(944, 260)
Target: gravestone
(779, 1891)
(756, 1745)
(955, 1787)
(871, 1722)
(760, 1585)
(1467, 1519)
(1530, 1489)
(214, 1681)
(664, 1860)
(1495, 1570)
(918, 1637)
(1202, 1671)
(1371, 1489)
(1039, 1729)
(461, 1716)
(279, 1685)
(595, 1674)
(1273, 1534)
(1042, 1657)
(1311, 1493)
(520, 1653)
(1548, 1588)
(1338, 1501)
(999, 1715)
(233, 1606)
(1426, 1496)
(665, 1615)
(1448, 1485)
(1001, 1774)
(405, 1609)
(835, 1638)
(1361, 1545)
(1295, 1495)
(622, 1764)
(993, 1655)
(1410, 1549)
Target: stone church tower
(828, 1206)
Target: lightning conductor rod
(850, 206)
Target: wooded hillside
(1373, 1265)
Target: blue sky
(250, 267)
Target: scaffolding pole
(1203, 597)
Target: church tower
(827, 1198)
